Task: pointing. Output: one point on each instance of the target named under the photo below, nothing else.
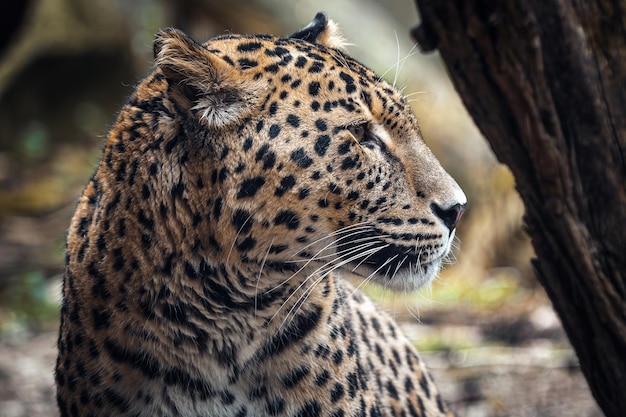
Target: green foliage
(26, 300)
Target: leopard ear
(321, 31)
(202, 82)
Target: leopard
(208, 263)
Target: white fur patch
(217, 113)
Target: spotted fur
(205, 256)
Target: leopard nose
(450, 216)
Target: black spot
(217, 208)
(295, 376)
(408, 385)
(353, 384)
(269, 160)
(291, 334)
(314, 55)
(334, 188)
(391, 389)
(274, 131)
(301, 158)
(315, 105)
(99, 288)
(101, 242)
(390, 220)
(241, 221)
(119, 263)
(300, 62)
(167, 266)
(321, 125)
(349, 163)
(424, 385)
(169, 146)
(223, 174)
(246, 63)
(101, 318)
(440, 405)
(273, 108)
(304, 193)
(259, 127)
(177, 190)
(146, 241)
(321, 145)
(116, 400)
(337, 392)
(293, 120)
(145, 191)
(314, 88)
(316, 67)
(248, 143)
(273, 68)
(344, 148)
(288, 218)
(322, 351)
(240, 168)
(246, 244)
(227, 397)
(261, 152)
(275, 406)
(310, 409)
(248, 47)
(257, 391)
(285, 185)
(250, 186)
(353, 195)
(367, 98)
(278, 248)
(322, 378)
(323, 203)
(375, 411)
(338, 357)
(278, 51)
(190, 271)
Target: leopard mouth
(399, 267)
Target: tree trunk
(545, 81)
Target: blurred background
(485, 326)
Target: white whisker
(370, 277)
(232, 246)
(258, 279)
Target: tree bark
(545, 81)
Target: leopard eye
(365, 137)
(358, 131)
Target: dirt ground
(533, 379)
